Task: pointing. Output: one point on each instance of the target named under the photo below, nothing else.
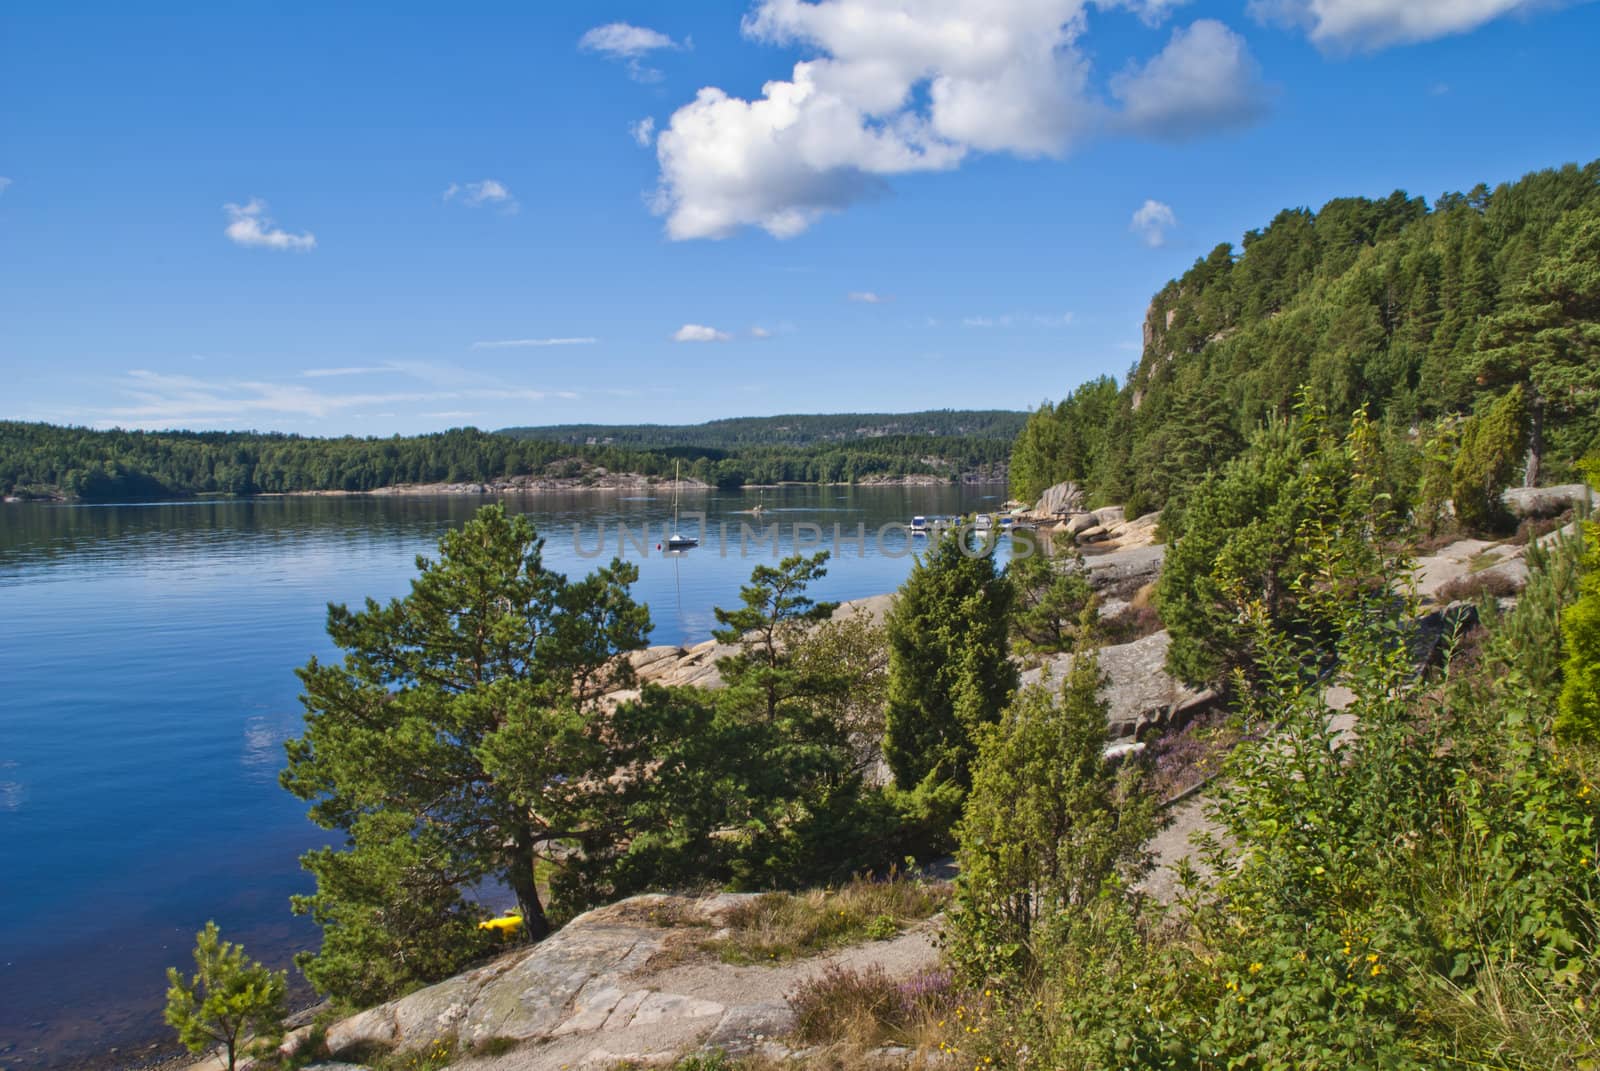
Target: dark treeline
(46, 460)
(810, 429)
(1417, 315)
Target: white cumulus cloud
(1152, 222)
(903, 86)
(1204, 80)
(249, 225)
(487, 192)
(699, 333)
(1343, 25)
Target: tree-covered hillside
(46, 460)
(1417, 314)
(801, 429)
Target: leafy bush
(1420, 893)
(1580, 629)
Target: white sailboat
(675, 540)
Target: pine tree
(228, 999)
(461, 738)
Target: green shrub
(1580, 630)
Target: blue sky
(373, 219)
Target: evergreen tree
(775, 614)
(1243, 541)
(228, 999)
(1491, 444)
(1048, 825)
(1051, 594)
(1548, 341)
(461, 738)
(949, 664)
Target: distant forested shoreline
(52, 462)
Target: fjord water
(146, 688)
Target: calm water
(146, 688)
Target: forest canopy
(46, 460)
(1418, 315)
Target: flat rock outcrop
(615, 986)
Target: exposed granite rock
(1547, 501)
(1126, 567)
(593, 995)
(1138, 689)
(1080, 522)
(1063, 498)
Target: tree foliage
(1244, 538)
(461, 738)
(949, 664)
(228, 1000)
(1052, 594)
(1049, 825)
(1491, 444)
(1420, 892)
(1580, 632)
(1407, 312)
(45, 460)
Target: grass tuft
(780, 926)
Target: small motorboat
(919, 525)
(983, 522)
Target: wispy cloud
(644, 131)
(1152, 221)
(161, 400)
(520, 343)
(699, 333)
(487, 192)
(866, 297)
(4, 182)
(1350, 25)
(760, 332)
(629, 44)
(249, 225)
(349, 370)
(1009, 319)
